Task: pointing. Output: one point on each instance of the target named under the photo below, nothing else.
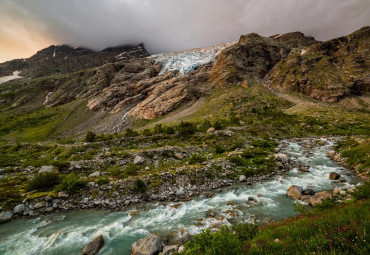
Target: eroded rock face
(248, 60)
(94, 246)
(149, 245)
(327, 71)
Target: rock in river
(318, 197)
(94, 246)
(149, 245)
(294, 192)
(5, 216)
(334, 176)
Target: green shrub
(115, 170)
(90, 137)
(222, 242)
(158, 129)
(130, 133)
(206, 124)
(147, 132)
(71, 183)
(247, 154)
(237, 145)
(237, 160)
(196, 159)
(362, 192)
(102, 181)
(217, 125)
(245, 231)
(61, 164)
(43, 181)
(219, 149)
(186, 128)
(169, 130)
(139, 186)
(131, 169)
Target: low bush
(130, 133)
(131, 169)
(71, 183)
(61, 164)
(196, 159)
(102, 181)
(362, 192)
(90, 137)
(139, 186)
(219, 149)
(186, 128)
(43, 181)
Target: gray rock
(5, 216)
(62, 195)
(149, 245)
(48, 169)
(95, 174)
(171, 249)
(19, 208)
(94, 246)
(308, 192)
(180, 191)
(49, 209)
(138, 160)
(281, 157)
(242, 178)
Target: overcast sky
(167, 25)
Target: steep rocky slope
(133, 87)
(65, 59)
(328, 71)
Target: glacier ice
(187, 61)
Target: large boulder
(94, 246)
(319, 197)
(334, 176)
(281, 157)
(294, 192)
(19, 208)
(242, 178)
(48, 169)
(149, 245)
(138, 160)
(5, 216)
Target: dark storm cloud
(170, 25)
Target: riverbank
(259, 202)
(173, 186)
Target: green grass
(356, 154)
(343, 229)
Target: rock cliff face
(327, 71)
(249, 59)
(124, 82)
(64, 59)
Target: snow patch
(277, 36)
(11, 77)
(187, 61)
(54, 53)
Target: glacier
(186, 61)
(10, 77)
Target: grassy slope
(342, 229)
